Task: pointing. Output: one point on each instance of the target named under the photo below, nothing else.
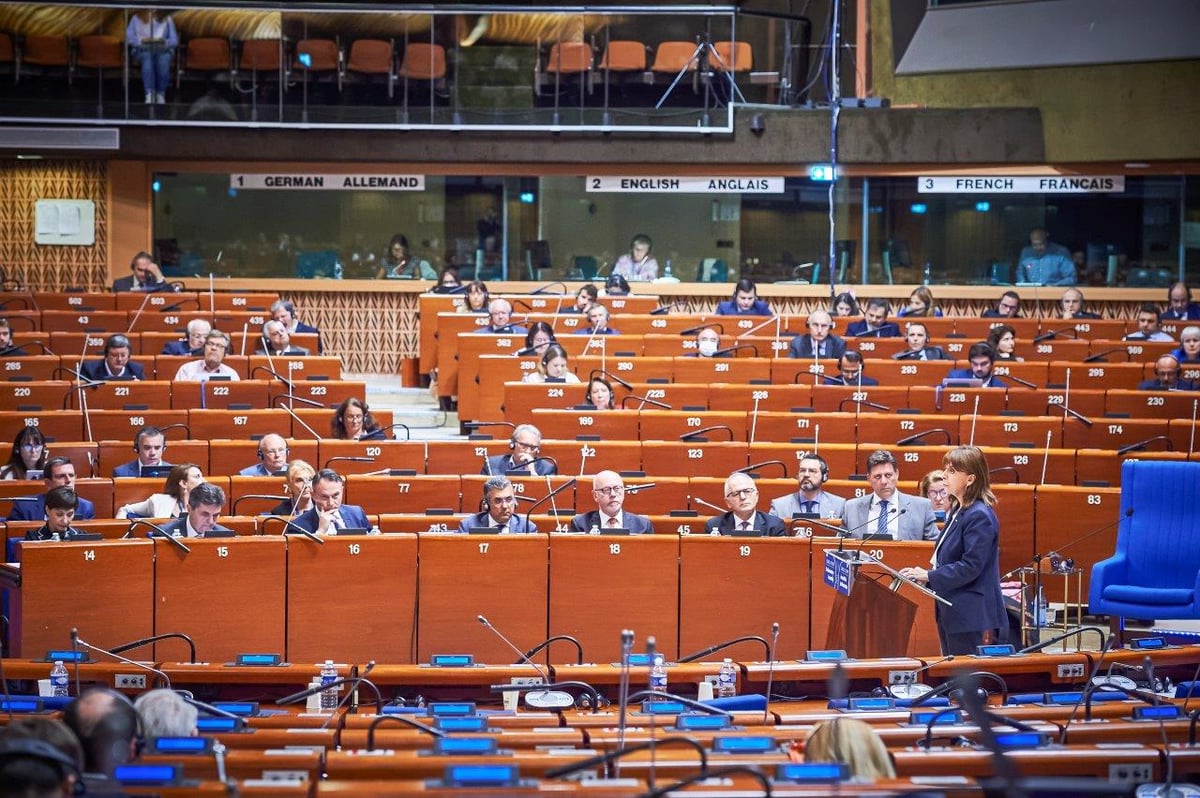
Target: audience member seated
(28, 453)
(920, 304)
(500, 320)
(106, 725)
(276, 341)
(744, 518)
(1044, 262)
(7, 349)
(60, 504)
(1003, 340)
(272, 457)
(1148, 319)
(810, 498)
(933, 487)
(211, 365)
(204, 505)
(146, 276)
(982, 358)
(40, 758)
(844, 304)
(478, 298)
(598, 318)
(885, 510)
(164, 713)
(398, 263)
(173, 501)
(540, 336)
(328, 516)
(193, 343)
(708, 344)
(1166, 369)
(298, 489)
(1071, 305)
(500, 511)
(1180, 306)
(284, 311)
(585, 297)
(59, 473)
(917, 336)
(115, 364)
(850, 371)
(818, 342)
(552, 367)
(448, 282)
(150, 445)
(744, 302)
(608, 490)
(600, 394)
(525, 444)
(352, 420)
(637, 264)
(152, 37)
(1009, 307)
(851, 742)
(616, 285)
(1189, 345)
(874, 322)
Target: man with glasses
(608, 490)
(1009, 307)
(743, 518)
(886, 511)
(272, 457)
(1166, 370)
(150, 445)
(523, 459)
(59, 473)
(328, 516)
(810, 498)
(500, 511)
(211, 366)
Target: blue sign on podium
(839, 570)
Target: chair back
(624, 55)
(46, 50)
(569, 58)
(424, 62)
(323, 55)
(99, 52)
(370, 56)
(1159, 538)
(673, 56)
(262, 55)
(208, 54)
(734, 57)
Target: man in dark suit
(59, 473)
(982, 358)
(874, 322)
(744, 302)
(1071, 305)
(282, 310)
(819, 342)
(917, 335)
(146, 276)
(500, 320)
(1166, 369)
(115, 365)
(1009, 307)
(850, 372)
(1180, 306)
(149, 444)
(193, 344)
(598, 318)
(743, 518)
(608, 489)
(205, 503)
(887, 511)
(500, 511)
(277, 341)
(328, 515)
(524, 445)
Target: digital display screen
(1149, 643)
(701, 722)
(20, 705)
(936, 718)
(743, 745)
(181, 745)
(995, 651)
(452, 660)
(242, 709)
(1160, 712)
(832, 655)
(465, 745)
(146, 774)
(480, 775)
(258, 659)
(216, 724)
(871, 703)
(1063, 698)
(663, 707)
(452, 708)
(462, 724)
(67, 656)
(812, 772)
(1020, 739)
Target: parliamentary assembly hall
(758, 397)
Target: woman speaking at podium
(966, 558)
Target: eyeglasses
(613, 490)
(531, 446)
(741, 494)
(30, 445)
(936, 493)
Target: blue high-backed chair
(1155, 572)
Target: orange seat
(261, 55)
(733, 57)
(323, 55)
(207, 54)
(569, 58)
(373, 58)
(7, 55)
(46, 51)
(99, 52)
(624, 55)
(671, 57)
(423, 62)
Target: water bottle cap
(328, 662)
(58, 663)
(729, 660)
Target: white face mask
(707, 348)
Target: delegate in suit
(743, 518)
(500, 513)
(887, 511)
(328, 515)
(608, 489)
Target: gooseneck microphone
(568, 484)
(273, 373)
(594, 372)
(301, 530)
(770, 670)
(162, 533)
(704, 652)
(401, 719)
(355, 680)
(1086, 695)
(1059, 638)
(546, 697)
(915, 689)
(920, 437)
(76, 640)
(121, 649)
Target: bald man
(744, 518)
(106, 724)
(608, 490)
(819, 341)
(272, 457)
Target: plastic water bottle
(727, 680)
(60, 682)
(329, 695)
(595, 530)
(1039, 613)
(667, 270)
(658, 677)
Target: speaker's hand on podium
(916, 574)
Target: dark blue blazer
(1155, 385)
(94, 370)
(516, 524)
(1191, 314)
(181, 348)
(126, 283)
(636, 524)
(36, 510)
(858, 329)
(301, 327)
(836, 380)
(727, 524)
(501, 464)
(968, 572)
(178, 528)
(802, 347)
(729, 308)
(354, 517)
(131, 469)
(965, 374)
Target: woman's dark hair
(537, 327)
(590, 290)
(849, 299)
(16, 464)
(452, 273)
(478, 285)
(617, 285)
(338, 424)
(177, 474)
(998, 332)
(611, 396)
(400, 239)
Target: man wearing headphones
(277, 341)
(146, 276)
(850, 371)
(819, 342)
(874, 322)
(522, 459)
(744, 302)
(59, 473)
(608, 489)
(39, 756)
(149, 445)
(212, 362)
(164, 713)
(272, 456)
(500, 320)
(328, 515)
(810, 498)
(206, 501)
(193, 344)
(115, 365)
(598, 317)
(109, 730)
(500, 511)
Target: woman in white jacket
(172, 502)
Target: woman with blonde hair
(851, 742)
(298, 488)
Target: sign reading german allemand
(1003, 184)
(309, 182)
(685, 185)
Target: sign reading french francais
(309, 182)
(685, 185)
(1002, 184)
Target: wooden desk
(1086, 761)
(219, 395)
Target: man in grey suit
(887, 511)
(608, 489)
(809, 498)
(819, 342)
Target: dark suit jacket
(1191, 314)
(729, 308)
(178, 527)
(126, 283)
(590, 331)
(1084, 314)
(354, 517)
(1155, 385)
(44, 533)
(501, 464)
(636, 524)
(967, 573)
(858, 329)
(726, 525)
(94, 370)
(802, 346)
(992, 313)
(131, 469)
(865, 381)
(181, 348)
(516, 524)
(931, 353)
(965, 374)
(36, 510)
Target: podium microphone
(162, 533)
(76, 640)
(546, 698)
